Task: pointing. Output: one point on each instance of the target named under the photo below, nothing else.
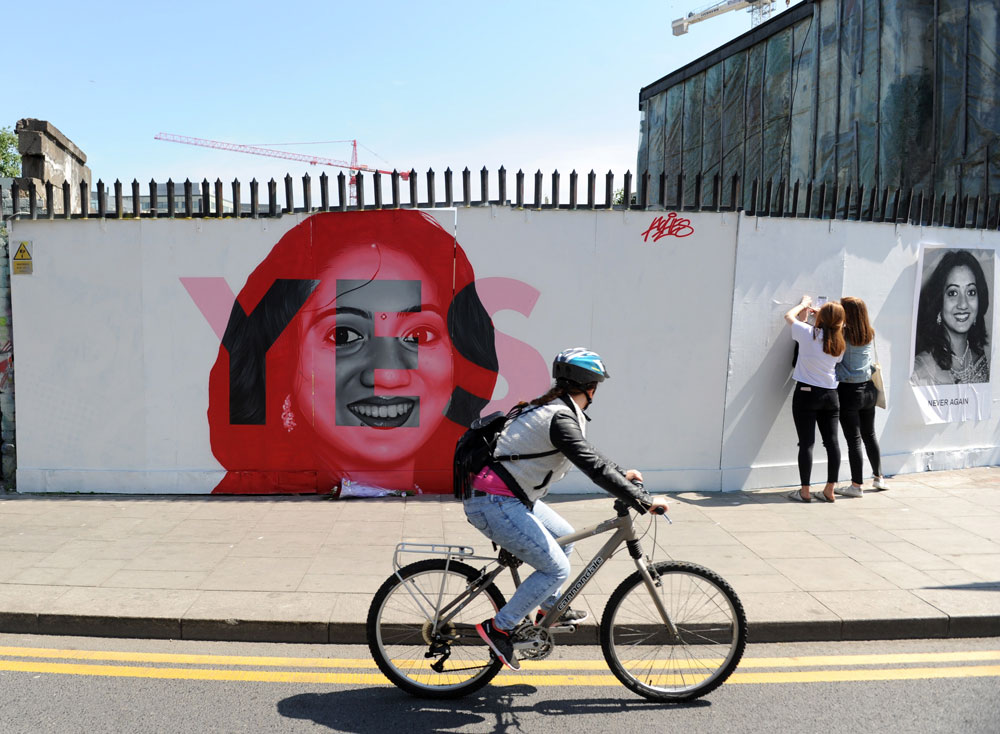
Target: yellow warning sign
(22, 259)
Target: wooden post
(254, 198)
(307, 199)
(591, 189)
(519, 187)
(572, 189)
(67, 200)
(555, 189)
(484, 187)
(272, 198)
(502, 186)
(449, 194)
(188, 199)
(359, 188)
(324, 191)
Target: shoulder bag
(876, 378)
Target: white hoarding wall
(124, 337)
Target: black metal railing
(767, 199)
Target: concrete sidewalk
(920, 560)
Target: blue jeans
(530, 535)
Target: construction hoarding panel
(249, 356)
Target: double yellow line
(363, 671)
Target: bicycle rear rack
(457, 552)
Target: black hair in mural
(247, 340)
(472, 334)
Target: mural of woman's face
(375, 368)
(960, 301)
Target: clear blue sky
(531, 85)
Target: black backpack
(474, 450)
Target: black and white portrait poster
(953, 331)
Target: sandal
(795, 496)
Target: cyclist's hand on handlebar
(659, 505)
(634, 476)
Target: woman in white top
(815, 402)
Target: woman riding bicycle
(549, 432)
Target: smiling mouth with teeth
(384, 412)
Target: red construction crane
(353, 165)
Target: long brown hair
(555, 392)
(831, 320)
(857, 328)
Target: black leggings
(857, 419)
(816, 406)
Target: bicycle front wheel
(648, 658)
(414, 648)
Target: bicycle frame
(624, 532)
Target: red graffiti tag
(668, 226)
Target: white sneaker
(849, 490)
(879, 483)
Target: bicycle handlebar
(656, 511)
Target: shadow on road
(499, 709)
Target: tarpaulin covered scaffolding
(862, 95)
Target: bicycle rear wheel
(648, 659)
(450, 662)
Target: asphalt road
(80, 684)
